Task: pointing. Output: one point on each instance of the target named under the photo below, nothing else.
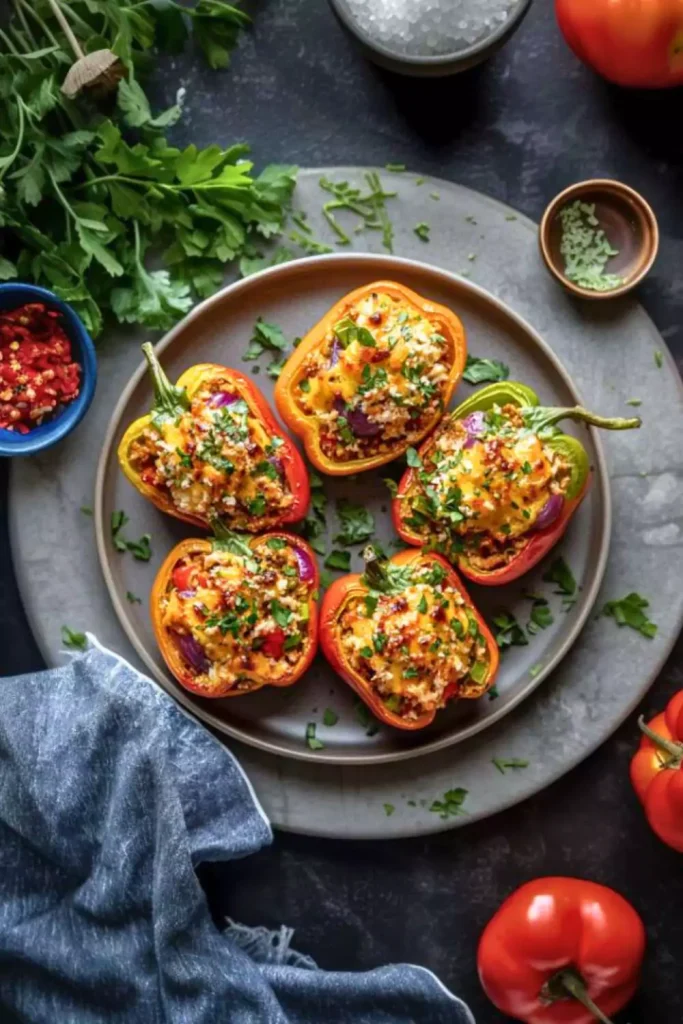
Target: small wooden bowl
(628, 222)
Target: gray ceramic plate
(295, 295)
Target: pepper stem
(375, 575)
(674, 749)
(568, 983)
(542, 417)
(169, 401)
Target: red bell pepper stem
(569, 982)
(674, 749)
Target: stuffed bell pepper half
(494, 488)
(212, 449)
(232, 614)
(371, 378)
(407, 638)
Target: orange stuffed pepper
(407, 638)
(371, 378)
(211, 449)
(232, 614)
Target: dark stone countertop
(519, 128)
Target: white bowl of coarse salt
(430, 37)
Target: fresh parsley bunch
(90, 187)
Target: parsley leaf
(630, 611)
(450, 805)
(413, 459)
(391, 485)
(389, 809)
(502, 764)
(340, 560)
(330, 717)
(133, 598)
(509, 633)
(280, 614)
(73, 640)
(480, 371)
(357, 523)
(560, 574)
(422, 231)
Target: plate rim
(204, 714)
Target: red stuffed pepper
(407, 638)
(232, 614)
(562, 951)
(212, 449)
(494, 488)
(657, 773)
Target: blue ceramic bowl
(53, 430)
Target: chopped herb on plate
(389, 809)
(391, 486)
(133, 598)
(484, 371)
(422, 231)
(312, 740)
(560, 574)
(395, 168)
(86, 510)
(450, 805)
(659, 359)
(509, 633)
(73, 640)
(503, 764)
(357, 523)
(413, 459)
(340, 560)
(330, 717)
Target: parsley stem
(39, 21)
(9, 160)
(18, 6)
(60, 195)
(66, 29)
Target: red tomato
(631, 42)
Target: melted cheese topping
(377, 377)
(216, 460)
(236, 617)
(417, 648)
(487, 493)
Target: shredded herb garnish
(389, 809)
(340, 560)
(133, 598)
(312, 740)
(357, 523)
(503, 764)
(586, 249)
(422, 231)
(509, 633)
(330, 717)
(450, 805)
(659, 359)
(86, 510)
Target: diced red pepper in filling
(38, 374)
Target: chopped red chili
(38, 374)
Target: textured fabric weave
(109, 797)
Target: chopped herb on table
(484, 371)
(630, 611)
(113, 201)
(586, 249)
(340, 560)
(422, 231)
(503, 764)
(330, 717)
(311, 246)
(357, 523)
(73, 640)
(389, 809)
(312, 740)
(450, 805)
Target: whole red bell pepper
(562, 951)
(657, 772)
(421, 515)
(387, 588)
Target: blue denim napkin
(110, 796)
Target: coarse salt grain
(429, 28)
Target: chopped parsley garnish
(585, 248)
(411, 672)
(526, 467)
(118, 521)
(365, 718)
(184, 458)
(481, 371)
(541, 616)
(370, 604)
(312, 740)
(133, 598)
(395, 168)
(86, 510)
(340, 560)
(357, 523)
(379, 642)
(391, 485)
(276, 543)
(634, 401)
(630, 611)
(330, 717)
(265, 336)
(659, 359)
(389, 809)
(265, 468)
(141, 549)
(422, 606)
(450, 805)
(345, 431)
(413, 459)
(509, 633)
(503, 764)
(257, 505)
(370, 206)
(422, 231)
(314, 525)
(281, 614)
(366, 652)
(560, 574)
(305, 385)
(73, 640)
